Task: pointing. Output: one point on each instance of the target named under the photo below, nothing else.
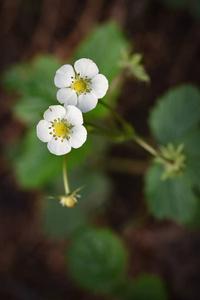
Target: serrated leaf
(176, 114)
(172, 198)
(175, 119)
(97, 259)
(146, 287)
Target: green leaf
(175, 119)
(34, 164)
(30, 109)
(58, 221)
(191, 143)
(97, 259)
(33, 82)
(147, 287)
(176, 114)
(172, 198)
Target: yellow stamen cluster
(60, 129)
(80, 85)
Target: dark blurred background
(31, 265)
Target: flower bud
(173, 161)
(69, 201)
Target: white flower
(62, 129)
(80, 86)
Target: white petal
(87, 102)
(78, 137)
(86, 67)
(63, 76)
(54, 112)
(99, 85)
(67, 96)
(73, 115)
(59, 148)
(43, 131)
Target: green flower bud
(173, 161)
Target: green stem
(98, 128)
(136, 138)
(116, 114)
(144, 145)
(65, 179)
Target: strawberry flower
(62, 129)
(80, 86)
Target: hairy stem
(145, 146)
(135, 137)
(65, 179)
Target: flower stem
(135, 137)
(144, 145)
(65, 179)
(115, 113)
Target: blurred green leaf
(30, 109)
(176, 114)
(59, 221)
(175, 119)
(147, 287)
(33, 81)
(34, 78)
(34, 164)
(172, 198)
(97, 259)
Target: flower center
(80, 85)
(60, 129)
